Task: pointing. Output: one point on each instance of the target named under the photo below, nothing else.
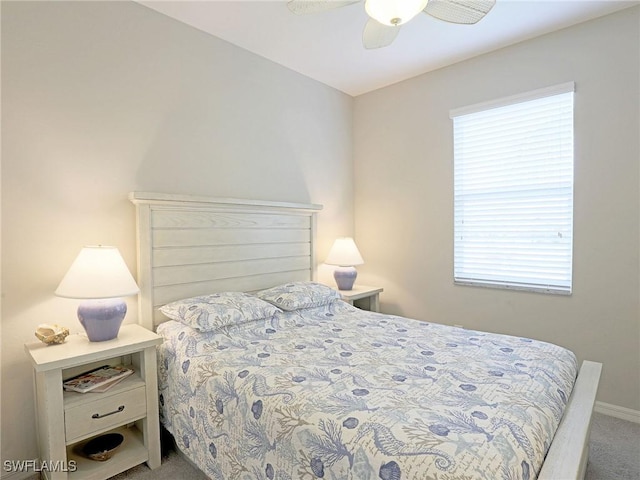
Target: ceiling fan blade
(377, 35)
(301, 7)
(459, 11)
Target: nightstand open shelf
(132, 452)
(363, 296)
(67, 420)
(72, 399)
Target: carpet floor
(614, 454)
(614, 449)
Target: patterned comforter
(339, 393)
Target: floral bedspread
(335, 392)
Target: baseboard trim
(618, 412)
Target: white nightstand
(67, 420)
(362, 296)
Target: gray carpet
(614, 455)
(173, 467)
(614, 449)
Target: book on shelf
(98, 380)
(107, 385)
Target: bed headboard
(193, 245)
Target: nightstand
(67, 420)
(361, 296)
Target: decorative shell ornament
(51, 333)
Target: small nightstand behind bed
(361, 296)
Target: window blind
(513, 192)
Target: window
(513, 192)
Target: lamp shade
(97, 272)
(394, 12)
(344, 252)
(345, 255)
(100, 278)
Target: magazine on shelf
(107, 385)
(98, 380)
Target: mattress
(336, 392)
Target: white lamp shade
(344, 253)
(394, 12)
(98, 272)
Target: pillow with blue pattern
(207, 313)
(299, 295)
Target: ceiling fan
(386, 16)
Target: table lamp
(345, 255)
(100, 277)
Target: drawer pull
(97, 415)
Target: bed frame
(193, 245)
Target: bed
(265, 373)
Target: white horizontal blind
(513, 194)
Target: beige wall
(101, 98)
(404, 213)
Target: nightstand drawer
(103, 413)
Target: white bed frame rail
(569, 451)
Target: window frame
(462, 278)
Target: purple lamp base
(345, 277)
(101, 319)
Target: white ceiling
(327, 46)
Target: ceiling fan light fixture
(394, 12)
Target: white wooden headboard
(193, 245)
